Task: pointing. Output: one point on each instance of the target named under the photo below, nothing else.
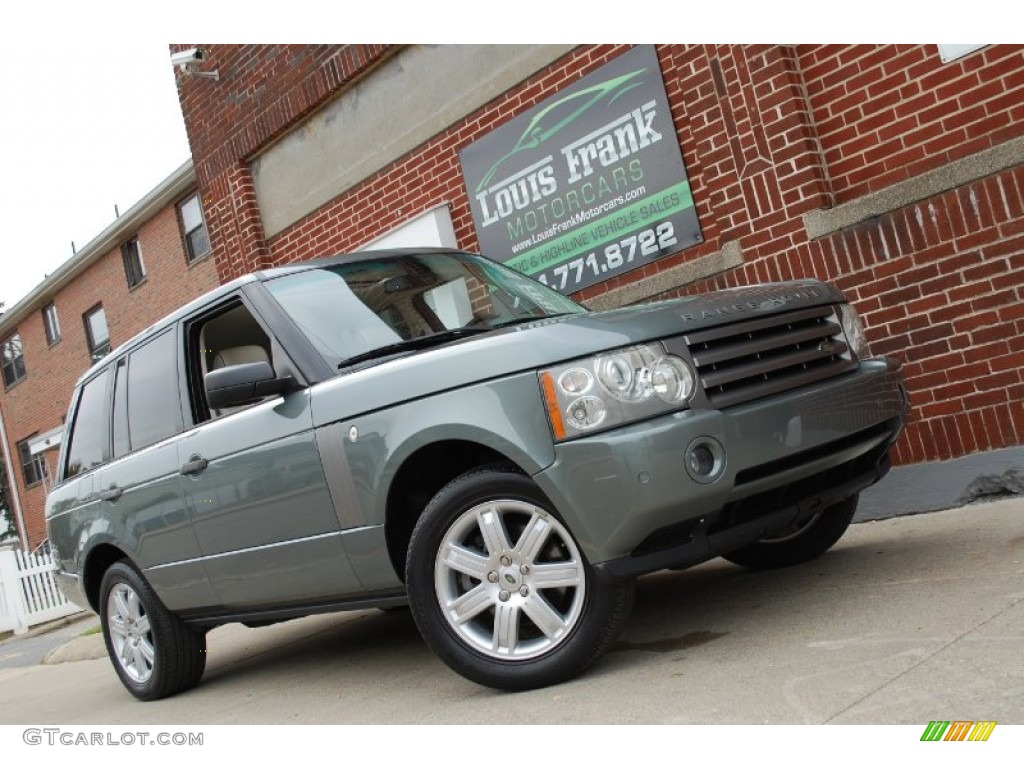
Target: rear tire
(800, 543)
(153, 652)
(500, 590)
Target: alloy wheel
(130, 633)
(510, 580)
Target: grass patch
(92, 631)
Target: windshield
(352, 308)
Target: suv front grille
(744, 361)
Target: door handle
(113, 493)
(194, 465)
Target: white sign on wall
(431, 229)
(950, 52)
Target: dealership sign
(588, 184)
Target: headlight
(586, 413)
(626, 375)
(672, 379)
(854, 331)
(575, 381)
(615, 388)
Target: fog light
(705, 460)
(701, 461)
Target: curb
(42, 629)
(56, 624)
(80, 648)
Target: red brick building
(894, 171)
(142, 266)
(887, 169)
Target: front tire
(799, 543)
(153, 652)
(500, 590)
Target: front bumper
(634, 508)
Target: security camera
(188, 62)
(184, 58)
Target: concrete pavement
(905, 621)
(39, 642)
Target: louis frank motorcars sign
(588, 184)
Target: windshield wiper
(419, 342)
(534, 319)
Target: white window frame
(51, 323)
(94, 348)
(185, 232)
(8, 344)
(131, 251)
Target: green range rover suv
(429, 427)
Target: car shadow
(682, 613)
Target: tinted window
(154, 410)
(121, 445)
(88, 445)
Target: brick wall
(768, 134)
(940, 286)
(264, 90)
(887, 113)
(37, 402)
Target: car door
(74, 510)
(141, 487)
(252, 477)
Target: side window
(88, 445)
(229, 337)
(121, 444)
(154, 410)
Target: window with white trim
(134, 269)
(193, 228)
(32, 465)
(96, 332)
(12, 360)
(51, 324)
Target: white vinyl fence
(28, 593)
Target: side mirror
(243, 384)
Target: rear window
(88, 444)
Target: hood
(530, 346)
